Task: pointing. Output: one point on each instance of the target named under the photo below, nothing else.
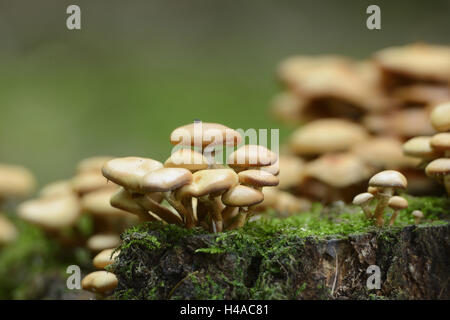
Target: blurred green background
(138, 69)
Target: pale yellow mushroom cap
(203, 134)
(242, 196)
(420, 147)
(287, 107)
(100, 282)
(440, 117)
(441, 142)
(398, 203)
(128, 172)
(362, 198)
(326, 135)
(438, 168)
(97, 203)
(257, 178)
(105, 258)
(251, 155)
(57, 188)
(388, 179)
(272, 169)
(99, 242)
(188, 159)
(292, 171)
(8, 232)
(417, 214)
(209, 181)
(15, 181)
(92, 164)
(52, 213)
(165, 179)
(86, 182)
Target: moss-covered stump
(319, 255)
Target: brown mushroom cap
(287, 107)
(105, 258)
(420, 147)
(242, 196)
(203, 134)
(165, 179)
(57, 188)
(440, 117)
(441, 142)
(250, 156)
(362, 198)
(210, 181)
(417, 214)
(188, 159)
(424, 94)
(398, 203)
(419, 61)
(100, 281)
(326, 135)
(272, 169)
(292, 171)
(257, 178)
(338, 170)
(92, 164)
(15, 181)
(129, 171)
(99, 242)
(98, 203)
(438, 168)
(388, 179)
(86, 182)
(8, 231)
(51, 213)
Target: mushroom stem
(176, 204)
(164, 213)
(239, 220)
(366, 209)
(216, 212)
(383, 199)
(190, 218)
(393, 217)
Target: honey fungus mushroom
(102, 282)
(396, 203)
(105, 258)
(16, 182)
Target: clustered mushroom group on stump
(354, 116)
(16, 182)
(434, 151)
(60, 205)
(191, 188)
(382, 187)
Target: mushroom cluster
(354, 116)
(434, 151)
(194, 187)
(382, 187)
(60, 205)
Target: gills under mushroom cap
(257, 178)
(98, 203)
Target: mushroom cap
(372, 190)
(440, 117)
(384, 152)
(292, 171)
(86, 182)
(251, 155)
(92, 164)
(272, 169)
(51, 213)
(257, 178)
(326, 135)
(362, 198)
(15, 181)
(417, 214)
(165, 179)
(338, 170)
(397, 203)
(104, 258)
(100, 281)
(97, 203)
(242, 196)
(420, 93)
(203, 134)
(102, 241)
(188, 159)
(129, 171)
(8, 231)
(420, 147)
(441, 142)
(287, 108)
(438, 168)
(418, 60)
(389, 179)
(57, 188)
(210, 181)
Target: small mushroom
(363, 200)
(57, 188)
(440, 117)
(8, 232)
(441, 143)
(90, 181)
(386, 183)
(396, 203)
(101, 282)
(99, 242)
(15, 181)
(93, 164)
(439, 169)
(251, 156)
(418, 216)
(105, 258)
(188, 159)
